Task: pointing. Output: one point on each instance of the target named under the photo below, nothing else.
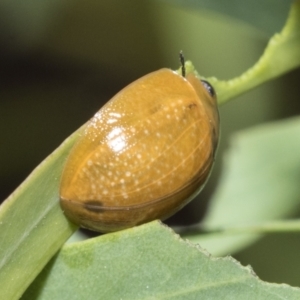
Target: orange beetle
(144, 155)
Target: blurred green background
(62, 60)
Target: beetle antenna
(181, 59)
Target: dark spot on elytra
(155, 109)
(192, 105)
(94, 206)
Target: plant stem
(265, 227)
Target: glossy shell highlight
(144, 155)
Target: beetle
(145, 154)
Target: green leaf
(32, 225)
(148, 262)
(260, 182)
